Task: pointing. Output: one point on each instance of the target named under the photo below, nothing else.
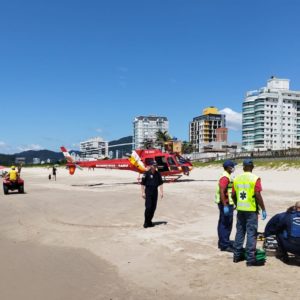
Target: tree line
(162, 138)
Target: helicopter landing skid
(171, 178)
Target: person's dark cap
(229, 163)
(248, 162)
(153, 163)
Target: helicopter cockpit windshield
(181, 160)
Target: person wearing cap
(225, 203)
(12, 175)
(151, 180)
(246, 194)
(286, 227)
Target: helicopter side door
(172, 163)
(162, 164)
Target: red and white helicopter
(170, 165)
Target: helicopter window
(161, 160)
(180, 159)
(162, 163)
(148, 161)
(171, 161)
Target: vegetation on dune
(267, 164)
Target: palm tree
(187, 147)
(148, 143)
(162, 137)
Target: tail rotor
(71, 163)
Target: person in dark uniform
(286, 227)
(150, 182)
(54, 172)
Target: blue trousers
(288, 245)
(247, 223)
(224, 227)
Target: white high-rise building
(271, 117)
(94, 148)
(145, 128)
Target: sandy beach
(81, 237)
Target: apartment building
(145, 128)
(271, 117)
(94, 148)
(203, 129)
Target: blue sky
(71, 70)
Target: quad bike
(12, 185)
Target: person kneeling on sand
(286, 227)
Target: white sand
(81, 237)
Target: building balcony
(248, 120)
(259, 136)
(259, 108)
(248, 110)
(261, 142)
(259, 113)
(259, 102)
(259, 125)
(248, 114)
(259, 129)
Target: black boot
(256, 263)
(148, 224)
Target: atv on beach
(9, 185)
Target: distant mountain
(121, 150)
(43, 155)
(123, 140)
(6, 159)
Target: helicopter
(170, 165)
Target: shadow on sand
(104, 184)
(136, 182)
(15, 193)
(199, 180)
(160, 223)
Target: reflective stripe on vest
(244, 186)
(229, 188)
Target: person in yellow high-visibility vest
(246, 194)
(225, 204)
(12, 174)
